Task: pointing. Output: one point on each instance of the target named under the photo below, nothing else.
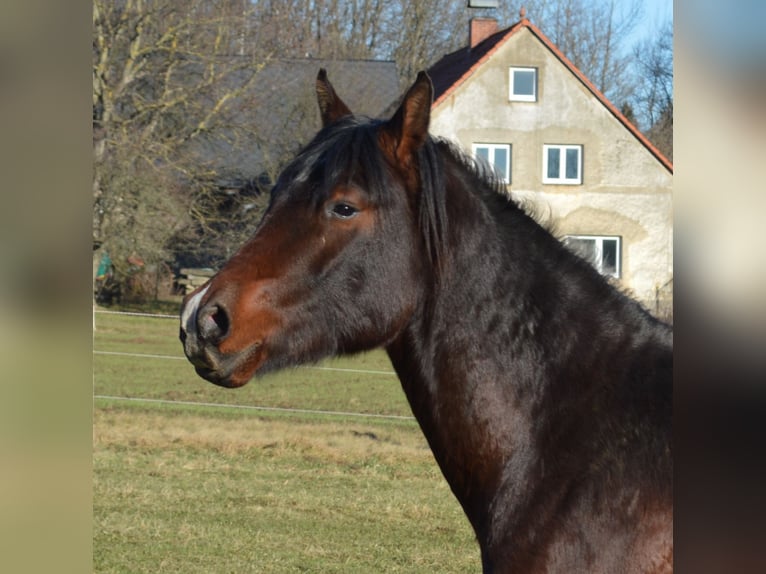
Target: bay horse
(544, 392)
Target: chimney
(480, 30)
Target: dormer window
(523, 85)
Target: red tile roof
(454, 69)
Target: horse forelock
(340, 153)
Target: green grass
(181, 488)
(168, 379)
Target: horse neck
(484, 352)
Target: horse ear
(330, 105)
(409, 125)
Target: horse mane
(509, 213)
(490, 187)
(480, 179)
(349, 149)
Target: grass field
(180, 487)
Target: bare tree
(418, 32)
(164, 80)
(414, 33)
(332, 29)
(654, 94)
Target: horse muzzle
(203, 327)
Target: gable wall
(626, 191)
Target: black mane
(349, 149)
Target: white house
(514, 99)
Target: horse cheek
(401, 287)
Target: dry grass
(179, 492)
(338, 442)
(189, 489)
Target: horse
(543, 391)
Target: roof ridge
(502, 36)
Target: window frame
(562, 164)
(599, 251)
(512, 97)
(506, 178)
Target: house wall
(625, 190)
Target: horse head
(335, 265)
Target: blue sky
(655, 13)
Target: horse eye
(343, 210)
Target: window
(562, 164)
(498, 156)
(523, 85)
(602, 252)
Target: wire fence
(200, 404)
(255, 408)
(177, 358)
(135, 314)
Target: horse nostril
(213, 323)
